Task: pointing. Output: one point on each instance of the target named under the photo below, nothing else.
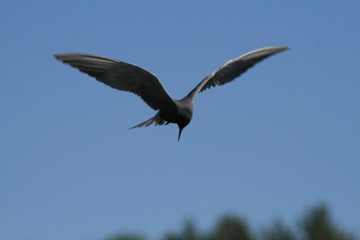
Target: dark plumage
(131, 78)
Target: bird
(131, 78)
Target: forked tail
(157, 120)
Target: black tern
(129, 77)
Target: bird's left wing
(122, 76)
(234, 68)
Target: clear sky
(281, 138)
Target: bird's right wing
(234, 68)
(122, 76)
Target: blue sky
(281, 138)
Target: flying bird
(129, 77)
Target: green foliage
(126, 237)
(189, 232)
(278, 231)
(315, 225)
(231, 228)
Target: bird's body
(180, 112)
(131, 78)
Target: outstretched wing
(234, 68)
(122, 76)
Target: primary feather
(234, 68)
(122, 76)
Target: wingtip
(278, 48)
(284, 48)
(281, 48)
(58, 57)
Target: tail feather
(157, 120)
(146, 123)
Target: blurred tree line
(316, 224)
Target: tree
(189, 232)
(126, 237)
(278, 231)
(317, 225)
(232, 228)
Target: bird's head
(183, 122)
(181, 127)
(184, 113)
(180, 130)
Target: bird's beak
(180, 130)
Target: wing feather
(234, 68)
(122, 76)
